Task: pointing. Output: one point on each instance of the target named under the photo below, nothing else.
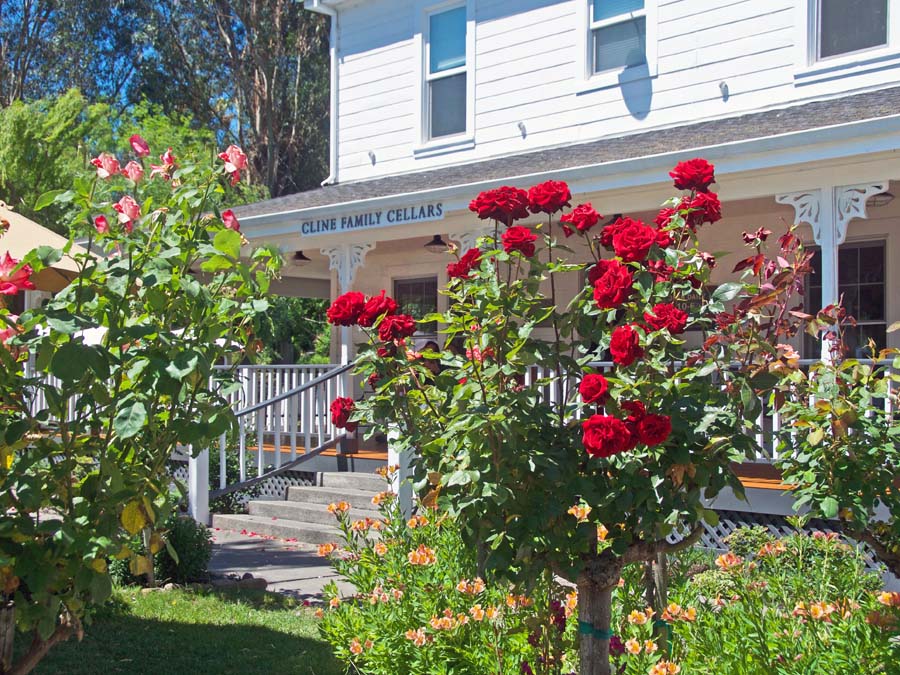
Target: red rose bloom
(377, 306)
(665, 217)
(703, 208)
(521, 239)
(461, 270)
(387, 351)
(549, 197)
(504, 204)
(654, 429)
(664, 239)
(667, 316)
(605, 436)
(632, 242)
(660, 270)
(625, 346)
(694, 174)
(341, 409)
(610, 231)
(345, 310)
(612, 282)
(583, 217)
(396, 327)
(594, 389)
(636, 411)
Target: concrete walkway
(290, 567)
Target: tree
(299, 322)
(551, 465)
(124, 372)
(257, 69)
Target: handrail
(296, 390)
(250, 482)
(278, 366)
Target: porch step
(304, 513)
(356, 480)
(327, 495)
(307, 533)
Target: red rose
(583, 217)
(461, 270)
(396, 327)
(667, 316)
(654, 429)
(345, 310)
(625, 345)
(341, 409)
(708, 258)
(521, 239)
(376, 306)
(13, 280)
(665, 217)
(387, 351)
(660, 270)
(612, 282)
(605, 436)
(636, 411)
(633, 240)
(594, 389)
(610, 231)
(549, 197)
(664, 239)
(703, 208)
(505, 204)
(372, 381)
(694, 174)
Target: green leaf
(229, 243)
(829, 507)
(47, 199)
(727, 291)
(184, 364)
(130, 420)
(68, 362)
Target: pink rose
(129, 211)
(107, 165)
(230, 220)
(235, 162)
(101, 224)
(133, 171)
(139, 145)
(12, 280)
(7, 331)
(165, 169)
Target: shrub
(746, 541)
(191, 543)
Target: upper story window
(618, 34)
(848, 26)
(446, 76)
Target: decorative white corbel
(469, 240)
(807, 208)
(850, 202)
(346, 259)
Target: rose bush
(122, 372)
(500, 418)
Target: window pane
(871, 303)
(850, 25)
(447, 40)
(448, 105)
(606, 9)
(848, 265)
(418, 297)
(620, 46)
(871, 265)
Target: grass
(179, 632)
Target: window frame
(426, 146)
(588, 79)
(413, 278)
(812, 69)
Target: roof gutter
(322, 8)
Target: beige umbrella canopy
(24, 235)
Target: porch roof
(758, 125)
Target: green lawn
(182, 632)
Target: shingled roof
(855, 108)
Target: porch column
(828, 210)
(345, 260)
(198, 486)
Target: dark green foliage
(192, 543)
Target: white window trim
(424, 146)
(586, 79)
(810, 69)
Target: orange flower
(602, 532)
(417, 637)
(580, 511)
(728, 561)
(361, 525)
(417, 521)
(355, 647)
(492, 612)
(571, 603)
(334, 603)
(637, 618)
(633, 647)
(665, 668)
(474, 587)
(772, 548)
(650, 646)
(422, 556)
(382, 497)
(397, 593)
(380, 548)
(338, 507)
(319, 613)
(326, 550)
(477, 613)
(889, 598)
(368, 644)
(821, 611)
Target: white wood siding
(525, 71)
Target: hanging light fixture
(882, 199)
(436, 245)
(299, 260)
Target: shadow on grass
(256, 633)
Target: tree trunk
(7, 634)
(595, 586)
(151, 575)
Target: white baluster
(223, 476)
(306, 414)
(260, 432)
(276, 412)
(292, 418)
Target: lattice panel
(277, 486)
